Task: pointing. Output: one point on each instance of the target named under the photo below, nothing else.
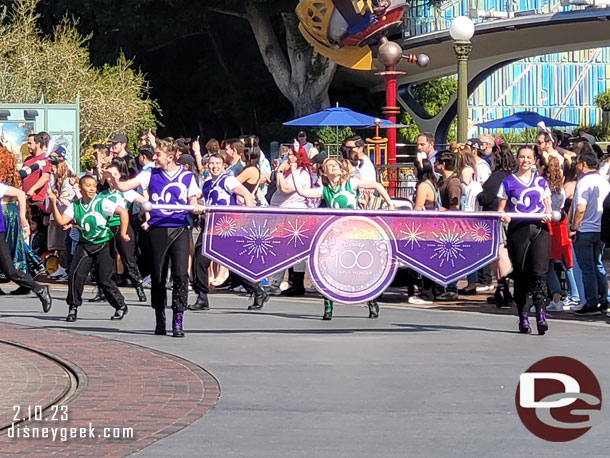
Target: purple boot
(541, 323)
(524, 324)
(177, 330)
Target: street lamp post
(462, 30)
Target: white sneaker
(576, 308)
(570, 303)
(416, 300)
(555, 307)
(239, 289)
(146, 282)
(533, 309)
(58, 273)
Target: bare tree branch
(227, 12)
(299, 55)
(271, 50)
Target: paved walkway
(28, 378)
(415, 382)
(110, 385)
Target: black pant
(90, 255)
(170, 243)
(144, 247)
(127, 250)
(484, 275)
(8, 269)
(199, 267)
(529, 247)
(200, 272)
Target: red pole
(390, 111)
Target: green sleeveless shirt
(341, 196)
(91, 221)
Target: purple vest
(163, 190)
(214, 192)
(523, 198)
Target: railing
(398, 179)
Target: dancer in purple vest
(170, 230)
(528, 242)
(221, 189)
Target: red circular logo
(558, 399)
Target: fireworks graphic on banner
(412, 235)
(448, 247)
(258, 241)
(481, 232)
(296, 232)
(226, 227)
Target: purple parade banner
(352, 255)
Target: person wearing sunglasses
(302, 138)
(546, 148)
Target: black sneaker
(259, 300)
(468, 292)
(587, 310)
(200, 304)
(45, 299)
(602, 307)
(447, 296)
(120, 313)
(72, 314)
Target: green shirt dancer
(91, 214)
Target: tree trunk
(303, 78)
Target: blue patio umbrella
(338, 117)
(523, 119)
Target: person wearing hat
(482, 170)
(119, 149)
(188, 162)
(302, 138)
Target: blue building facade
(562, 85)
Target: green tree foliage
(57, 67)
(432, 96)
(602, 100)
(331, 137)
(230, 83)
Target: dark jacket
(488, 198)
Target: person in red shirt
(35, 184)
